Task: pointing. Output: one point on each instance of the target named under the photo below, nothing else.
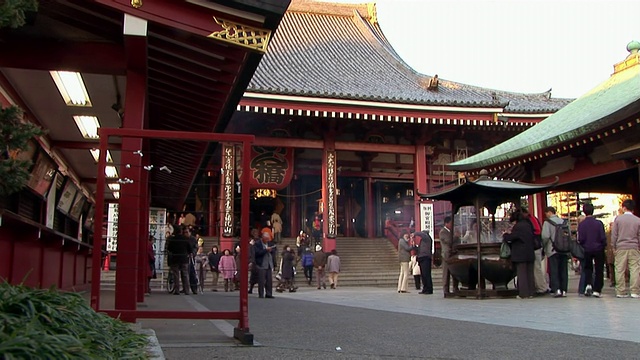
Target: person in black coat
(179, 250)
(520, 238)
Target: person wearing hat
(319, 262)
(264, 263)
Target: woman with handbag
(520, 237)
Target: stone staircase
(365, 262)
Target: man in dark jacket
(424, 260)
(179, 249)
(264, 262)
(520, 237)
(591, 236)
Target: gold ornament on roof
(243, 35)
(136, 3)
(373, 13)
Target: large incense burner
(463, 265)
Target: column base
(245, 337)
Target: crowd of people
(184, 245)
(531, 241)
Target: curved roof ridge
(374, 33)
(330, 8)
(345, 55)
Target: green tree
(12, 12)
(14, 137)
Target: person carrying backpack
(555, 242)
(307, 264)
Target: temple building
(345, 128)
(344, 131)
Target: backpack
(562, 238)
(537, 237)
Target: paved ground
(372, 323)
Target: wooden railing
(393, 230)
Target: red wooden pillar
(227, 186)
(212, 208)
(369, 210)
(420, 181)
(130, 211)
(144, 230)
(329, 186)
(294, 217)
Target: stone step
(347, 279)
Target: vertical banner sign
(331, 194)
(227, 193)
(112, 228)
(271, 167)
(158, 230)
(426, 220)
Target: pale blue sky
(513, 45)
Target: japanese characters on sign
(331, 194)
(158, 230)
(271, 167)
(426, 219)
(112, 227)
(227, 193)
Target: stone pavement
(377, 323)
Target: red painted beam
(173, 81)
(340, 145)
(196, 58)
(201, 44)
(365, 174)
(189, 76)
(158, 314)
(70, 56)
(178, 65)
(89, 145)
(585, 170)
(183, 135)
(302, 163)
(194, 19)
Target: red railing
(39, 257)
(393, 229)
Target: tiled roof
(613, 100)
(339, 51)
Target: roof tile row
(333, 55)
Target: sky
(523, 46)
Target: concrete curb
(153, 348)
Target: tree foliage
(14, 137)
(13, 12)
